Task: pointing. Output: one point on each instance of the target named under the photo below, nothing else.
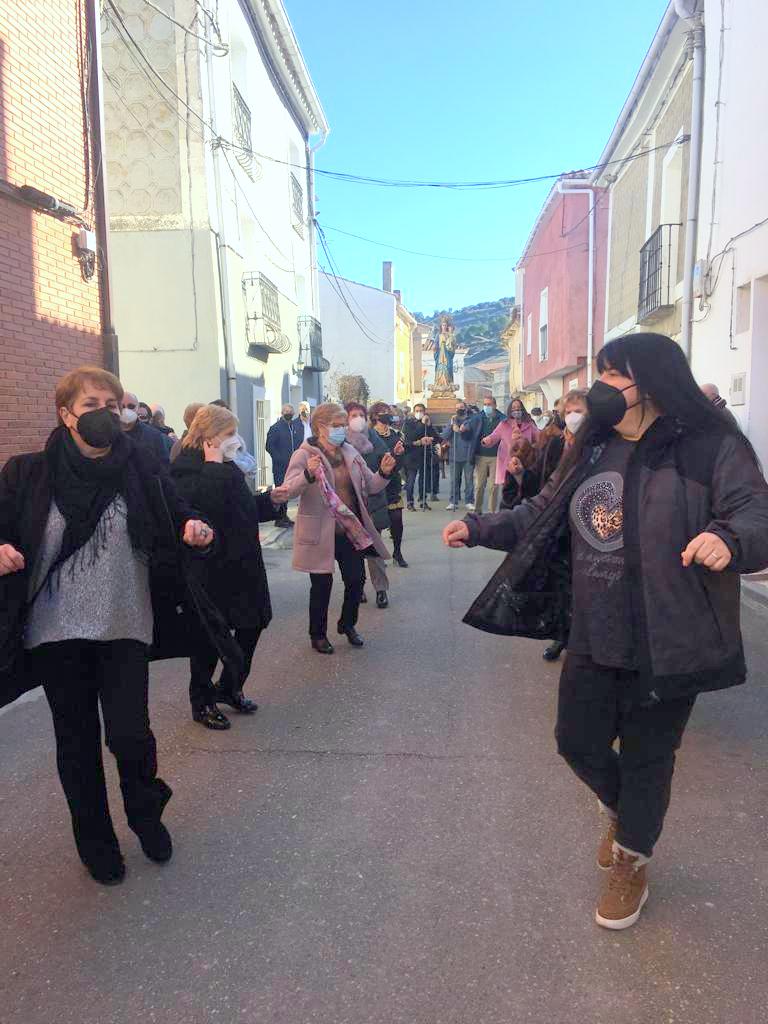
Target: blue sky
(444, 90)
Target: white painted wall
(349, 349)
(740, 202)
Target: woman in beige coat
(333, 482)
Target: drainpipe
(220, 235)
(588, 191)
(95, 102)
(696, 41)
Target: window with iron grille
(658, 262)
(270, 301)
(297, 204)
(543, 325)
(241, 117)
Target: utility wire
(219, 49)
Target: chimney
(389, 275)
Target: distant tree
(351, 387)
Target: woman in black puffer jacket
(664, 504)
(206, 476)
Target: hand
(387, 464)
(426, 441)
(456, 534)
(399, 448)
(314, 462)
(212, 453)
(11, 560)
(197, 534)
(708, 550)
(279, 495)
(486, 442)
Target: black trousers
(77, 676)
(436, 477)
(424, 478)
(352, 566)
(202, 664)
(635, 782)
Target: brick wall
(50, 318)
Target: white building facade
(730, 331)
(359, 324)
(211, 126)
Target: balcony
(658, 274)
(262, 318)
(241, 120)
(311, 345)
(297, 205)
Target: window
(241, 120)
(658, 261)
(270, 301)
(573, 385)
(529, 334)
(260, 428)
(743, 307)
(297, 205)
(543, 325)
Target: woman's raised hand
(11, 560)
(314, 462)
(456, 534)
(399, 448)
(388, 464)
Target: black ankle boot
(156, 842)
(351, 634)
(382, 599)
(398, 559)
(322, 645)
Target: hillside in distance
(478, 327)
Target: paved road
(391, 839)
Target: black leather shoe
(425, 507)
(553, 652)
(156, 842)
(107, 870)
(211, 718)
(399, 560)
(351, 634)
(382, 600)
(411, 507)
(238, 701)
(322, 645)
(363, 598)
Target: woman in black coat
(85, 528)
(236, 579)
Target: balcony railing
(297, 204)
(658, 273)
(262, 312)
(311, 344)
(241, 117)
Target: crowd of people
(627, 514)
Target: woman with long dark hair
(665, 504)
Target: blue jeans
(465, 470)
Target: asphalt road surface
(391, 839)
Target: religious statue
(445, 349)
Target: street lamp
(299, 365)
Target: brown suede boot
(625, 891)
(605, 849)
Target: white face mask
(357, 424)
(419, 415)
(128, 416)
(229, 447)
(573, 421)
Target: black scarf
(85, 491)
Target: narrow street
(391, 839)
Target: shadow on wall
(35, 349)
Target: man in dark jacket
(283, 438)
(485, 458)
(460, 436)
(420, 437)
(147, 437)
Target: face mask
(460, 414)
(516, 414)
(229, 448)
(128, 416)
(607, 404)
(573, 421)
(287, 416)
(419, 416)
(99, 428)
(488, 410)
(357, 423)
(387, 420)
(337, 435)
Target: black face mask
(99, 428)
(287, 416)
(607, 404)
(386, 420)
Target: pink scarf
(343, 516)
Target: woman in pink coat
(333, 525)
(518, 426)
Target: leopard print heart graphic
(597, 509)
